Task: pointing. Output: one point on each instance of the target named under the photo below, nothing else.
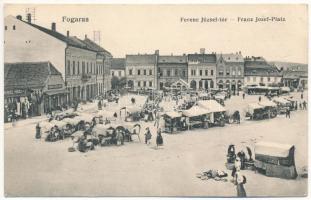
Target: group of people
(148, 137)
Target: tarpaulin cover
(195, 111)
(211, 106)
(267, 103)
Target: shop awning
(58, 91)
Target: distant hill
(285, 65)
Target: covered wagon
(275, 160)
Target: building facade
(33, 88)
(118, 67)
(230, 71)
(259, 72)
(171, 69)
(202, 70)
(74, 58)
(296, 77)
(140, 71)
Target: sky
(132, 29)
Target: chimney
(85, 36)
(156, 52)
(67, 33)
(19, 17)
(202, 51)
(29, 18)
(53, 27)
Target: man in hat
(147, 136)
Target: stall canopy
(211, 106)
(280, 100)
(173, 114)
(132, 109)
(273, 149)
(267, 103)
(285, 89)
(195, 111)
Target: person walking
(159, 139)
(239, 181)
(259, 98)
(243, 95)
(148, 136)
(304, 104)
(288, 113)
(301, 95)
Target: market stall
(172, 121)
(196, 117)
(217, 111)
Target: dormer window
(14, 28)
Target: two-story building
(103, 65)
(118, 67)
(171, 69)
(140, 71)
(202, 70)
(257, 71)
(73, 58)
(230, 71)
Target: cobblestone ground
(37, 168)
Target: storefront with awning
(33, 88)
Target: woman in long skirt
(239, 182)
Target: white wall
(28, 44)
(249, 80)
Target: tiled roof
(141, 59)
(72, 40)
(202, 58)
(94, 46)
(260, 68)
(27, 74)
(290, 74)
(233, 58)
(172, 59)
(118, 63)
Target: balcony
(85, 77)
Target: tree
(114, 82)
(122, 82)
